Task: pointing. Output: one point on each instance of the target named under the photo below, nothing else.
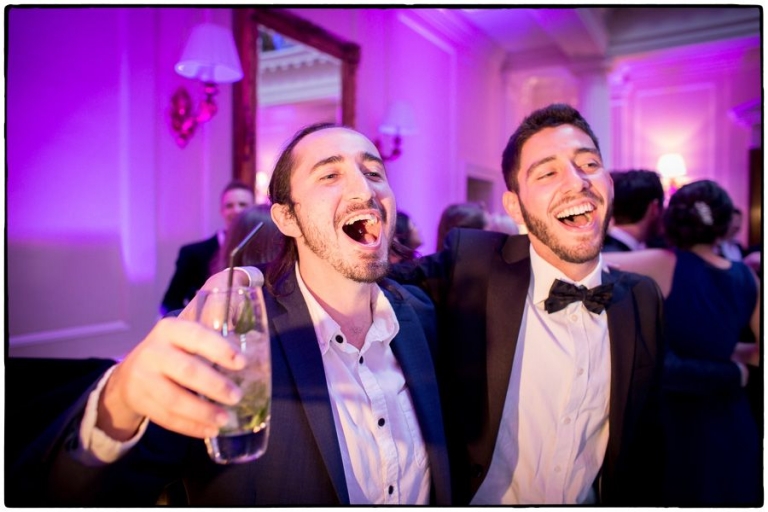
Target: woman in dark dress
(713, 449)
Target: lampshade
(210, 55)
(671, 165)
(398, 120)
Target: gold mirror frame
(244, 93)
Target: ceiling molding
(638, 31)
(451, 24)
(577, 32)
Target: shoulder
(477, 243)
(406, 293)
(209, 244)
(611, 244)
(659, 264)
(468, 237)
(643, 287)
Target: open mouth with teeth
(363, 229)
(577, 216)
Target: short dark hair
(633, 191)
(548, 117)
(698, 213)
(235, 185)
(280, 193)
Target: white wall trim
(67, 334)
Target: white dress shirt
(554, 426)
(627, 239)
(382, 449)
(383, 452)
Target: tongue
(359, 233)
(576, 220)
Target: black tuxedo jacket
(479, 285)
(302, 464)
(611, 244)
(192, 269)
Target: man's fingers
(196, 339)
(199, 376)
(183, 411)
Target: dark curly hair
(698, 213)
(548, 117)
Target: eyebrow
(334, 159)
(579, 151)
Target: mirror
(251, 25)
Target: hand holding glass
(238, 314)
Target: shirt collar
(383, 329)
(543, 275)
(624, 237)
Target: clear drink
(245, 435)
(240, 317)
(228, 448)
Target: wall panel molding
(68, 334)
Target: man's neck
(575, 271)
(348, 302)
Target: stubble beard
(588, 249)
(372, 267)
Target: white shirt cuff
(96, 447)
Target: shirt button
(567, 421)
(381, 422)
(339, 339)
(574, 318)
(361, 359)
(557, 469)
(580, 371)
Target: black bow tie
(561, 294)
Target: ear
(511, 202)
(285, 220)
(653, 209)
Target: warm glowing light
(671, 167)
(262, 187)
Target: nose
(358, 186)
(575, 179)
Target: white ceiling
(600, 31)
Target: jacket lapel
(509, 278)
(298, 341)
(622, 330)
(412, 353)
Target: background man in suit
(193, 265)
(545, 401)
(356, 416)
(638, 205)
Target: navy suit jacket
(611, 244)
(302, 464)
(193, 267)
(479, 285)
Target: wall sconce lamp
(211, 57)
(399, 121)
(673, 172)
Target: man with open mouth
(356, 417)
(549, 363)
